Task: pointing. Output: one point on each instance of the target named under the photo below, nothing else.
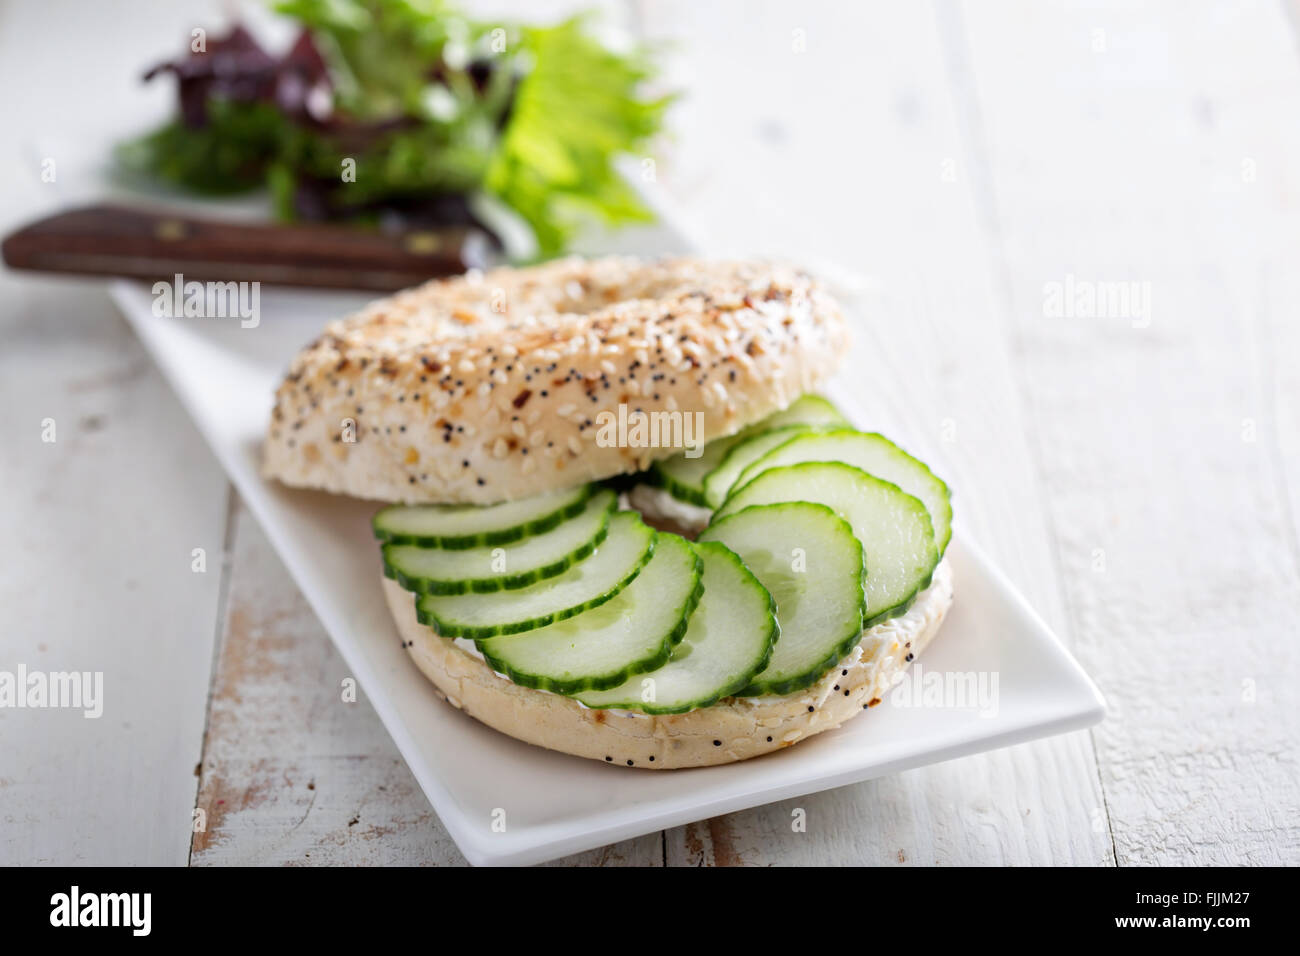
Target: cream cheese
(658, 504)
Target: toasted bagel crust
(730, 730)
(488, 387)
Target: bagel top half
(488, 387)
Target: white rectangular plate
(556, 804)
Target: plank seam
(1268, 388)
(218, 643)
(1292, 17)
(955, 42)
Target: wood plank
(855, 150)
(1151, 147)
(906, 819)
(100, 523)
(292, 774)
(1277, 340)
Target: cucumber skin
(518, 627)
(749, 474)
(899, 610)
(731, 690)
(504, 582)
(695, 496)
(846, 644)
(793, 431)
(464, 542)
(902, 607)
(604, 682)
(675, 488)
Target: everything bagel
(539, 601)
(489, 387)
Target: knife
(108, 240)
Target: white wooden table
(1135, 471)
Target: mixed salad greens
(397, 112)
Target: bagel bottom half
(735, 728)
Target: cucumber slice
(740, 456)
(874, 454)
(684, 477)
(589, 583)
(894, 528)
(814, 574)
(468, 526)
(729, 639)
(496, 567)
(603, 647)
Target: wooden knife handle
(143, 244)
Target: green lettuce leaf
(578, 108)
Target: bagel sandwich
(619, 521)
